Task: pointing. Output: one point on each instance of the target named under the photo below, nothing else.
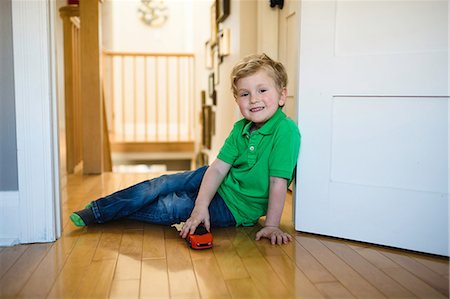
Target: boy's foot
(83, 217)
(88, 206)
(77, 220)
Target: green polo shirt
(272, 150)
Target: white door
(373, 112)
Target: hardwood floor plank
(440, 265)
(50, 267)
(183, 283)
(376, 258)
(76, 265)
(125, 289)
(292, 277)
(265, 279)
(171, 233)
(334, 290)
(128, 267)
(349, 278)
(66, 285)
(433, 279)
(245, 247)
(200, 254)
(9, 256)
(154, 279)
(130, 255)
(154, 244)
(228, 260)
(414, 284)
(108, 247)
(209, 278)
(307, 263)
(389, 287)
(132, 242)
(242, 288)
(15, 278)
(97, 280)
(409, 281)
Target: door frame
(36, 210)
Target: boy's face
(258, 97)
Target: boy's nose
(253, 99)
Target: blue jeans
(167, 199)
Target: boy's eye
(262, 90)
(243, 94)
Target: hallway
(128, 259)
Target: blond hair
(254, 63)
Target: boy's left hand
(274, 234)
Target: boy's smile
(258, 97)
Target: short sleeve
(284, 154)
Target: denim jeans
(167, 199)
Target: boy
(248, 179)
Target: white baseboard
(9, 218)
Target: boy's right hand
(198, 215)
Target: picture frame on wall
(213, 25)
(207, 128)
(211, 85)
(223, 10)
(224, 42)
(208, 55)
(216, 62)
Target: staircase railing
(149, 97)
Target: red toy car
(200, 239)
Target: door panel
(380, 154)
(373, 112)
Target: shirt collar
(269, 126)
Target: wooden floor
(135, 260)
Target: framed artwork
(213, 25)
(206, 127)
(211, 85)
(208, 55)
(224, 42)
(216, 62)
(223, 10)
(214, 98)
(203, 97)
(213, 122)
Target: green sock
(76, 219)
(88, 206)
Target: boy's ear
(283, 96)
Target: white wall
(242, 23)
(131, 34)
